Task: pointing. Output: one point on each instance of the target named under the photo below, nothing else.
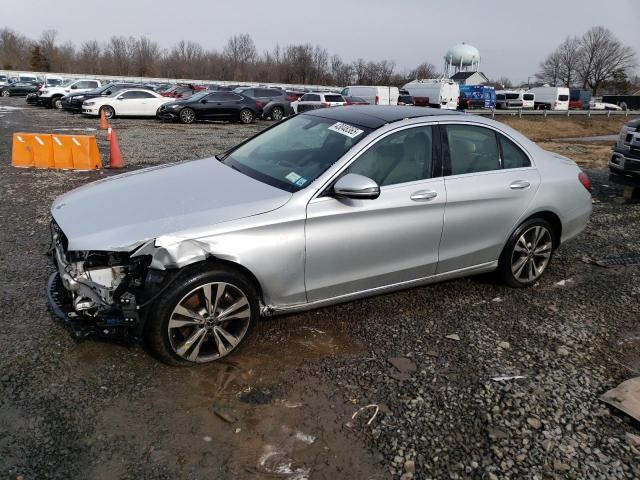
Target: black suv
(73, 101)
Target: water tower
(460, 58)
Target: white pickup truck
(52, 96)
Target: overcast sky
(513, 36)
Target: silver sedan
(324, 207)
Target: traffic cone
(109, 130)
(103, 120)
(115, 156)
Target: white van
(27, 77)
(53, 80)
(372, 94)
(528, 99)
(440, 92)
(551, 98)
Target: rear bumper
(575, 221)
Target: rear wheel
(527, 253)
(204, 317)
(246, 116)
(277, 114)
(109, 112)
(187, 115)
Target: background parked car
(73, 102)
(181, 91)
(405, 99)
(18, 89)
(579, 99)
(439, 93)
(52, 96)
(212, 106)
(551, 98)
(506, 100)
(3, 80)
(32, 98)
(373, 95)
(593, 105)
(626, 152)
(136, 102)
(355, 101)
(274, 102)
(313, 101)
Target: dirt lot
(282, 407)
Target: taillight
(292, 98)
(260, 104)
(325, 104)
(377, 99)
(585, 181)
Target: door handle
(519, 185)
(423, 195)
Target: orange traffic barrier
(22, 151)
(62, 156)
(115, 156)
(43, 150)
(84, 151)
(103, 120)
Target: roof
(375, 116)
(465, 75)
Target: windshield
(68, 82)
(563, 98)
(295, 152)
(528, 96)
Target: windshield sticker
(293, 177)
(301, 181)
(346, 129)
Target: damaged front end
(100, 294)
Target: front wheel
(6, 93)
(109, 112)
(204, 317)
(527, 253)
(187, 115)
(246, 116)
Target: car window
(563, 98)
(229, 97)
(295, 152)
(472, 149)
(145, 95)
(401, 157)
(512, 96)
(310, 97)
(512, 155)
(127, 95)
(333, 98)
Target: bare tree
(424, 70)
(14, 50)
(550, 69)
(241, 52)
(568, 55)
(602, 54)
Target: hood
(122, 212)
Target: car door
(357, 245)
(211, 106)
(490, 182)
(125, 103)
(146, 104)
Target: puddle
(244, 417)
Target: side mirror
(356, 186)
(204, 100)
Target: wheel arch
(552, 218)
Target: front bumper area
(91, 111)
(625, 161)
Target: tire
(182, 340)
(109, 112)
(277, 114)
(56, 103)
(246, 116)
(187, 115)
(527, 254)
(6, 93)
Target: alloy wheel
(187, 115)
(277, 114)
(209, 322)
(246, 116)
(5, 93)
(531, 253)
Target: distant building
(470, 78)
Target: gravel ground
(427, 359)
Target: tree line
(238, 60)
(595, 60)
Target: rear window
(512, 96)
(528, 96)
(563, 98)
(310, 97)
(333, 98)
